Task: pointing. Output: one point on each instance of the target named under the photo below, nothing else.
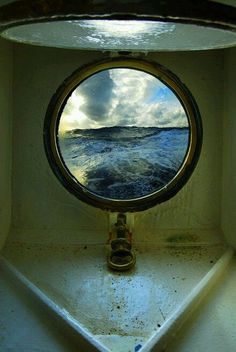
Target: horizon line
(104, 127)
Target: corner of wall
(6, 64)
(229, 149)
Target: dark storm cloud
(97, 91)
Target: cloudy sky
(122, 97)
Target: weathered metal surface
(119, 311)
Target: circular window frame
(55, 109)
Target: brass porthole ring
(69, 181)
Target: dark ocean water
(124, 162)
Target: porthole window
(123, 134)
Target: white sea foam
(124, 162)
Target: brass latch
(121, 257)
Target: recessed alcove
(37, 74)
(59, 243)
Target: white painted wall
(44, 211)
(5, 138)
(229, 139)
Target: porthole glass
(123, 134)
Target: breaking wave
(124, 162)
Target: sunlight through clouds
(122, 97)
